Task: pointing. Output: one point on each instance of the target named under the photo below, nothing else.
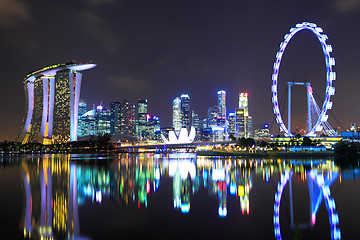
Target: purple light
(330, 203)
(313, 219)
(330, 76)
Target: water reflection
(51, 206)
(57, 185)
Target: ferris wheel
(321, 120)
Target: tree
(232, 138)
(307, 142)
(263, 144)
(250, 142)
(245, 142)
(347, 148)
(103, 142)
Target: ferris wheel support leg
(289, 108)
(309, 109)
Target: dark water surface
(177, 196)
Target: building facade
(240, 123)
(232, 122)
(115, 117)
(141, 120)
(52, 103)
(128, 118)
(244, 125)
(243, 103)
(103, 117)
(177, 116)
(87, 124)
(185, 110)
(213, 116)
(197, 123)
(221, 96)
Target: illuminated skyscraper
(222, 103)
(262, 133)
(82, 111)
(102, 121)
(213, 116)
(153, 130)
(240, 123)
(353, 127)
(185, 110)
(232, 123)
(197, 123)
(177, 116)
(243, 103)
(249, 128)
(128, 118)
(52, 96)
(87, 123)
(141, 117)
(82, 107)
(115, 118)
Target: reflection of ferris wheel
(321, 120)
(319, 189)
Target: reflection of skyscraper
(177, 122)
(222, 195)
(185, 110)
(52, 96)
(115, 109)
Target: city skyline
(161, 50)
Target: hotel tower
(52, 103)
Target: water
(177, 196)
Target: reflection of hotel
(51, 201)
(52, 95)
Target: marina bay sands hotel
(52, 103)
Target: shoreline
(270, 154)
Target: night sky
(161, 49)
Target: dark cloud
(99, 29)
(161, 49)
(14, 12)
(98, 2)
(346, 5)
(129, 84)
